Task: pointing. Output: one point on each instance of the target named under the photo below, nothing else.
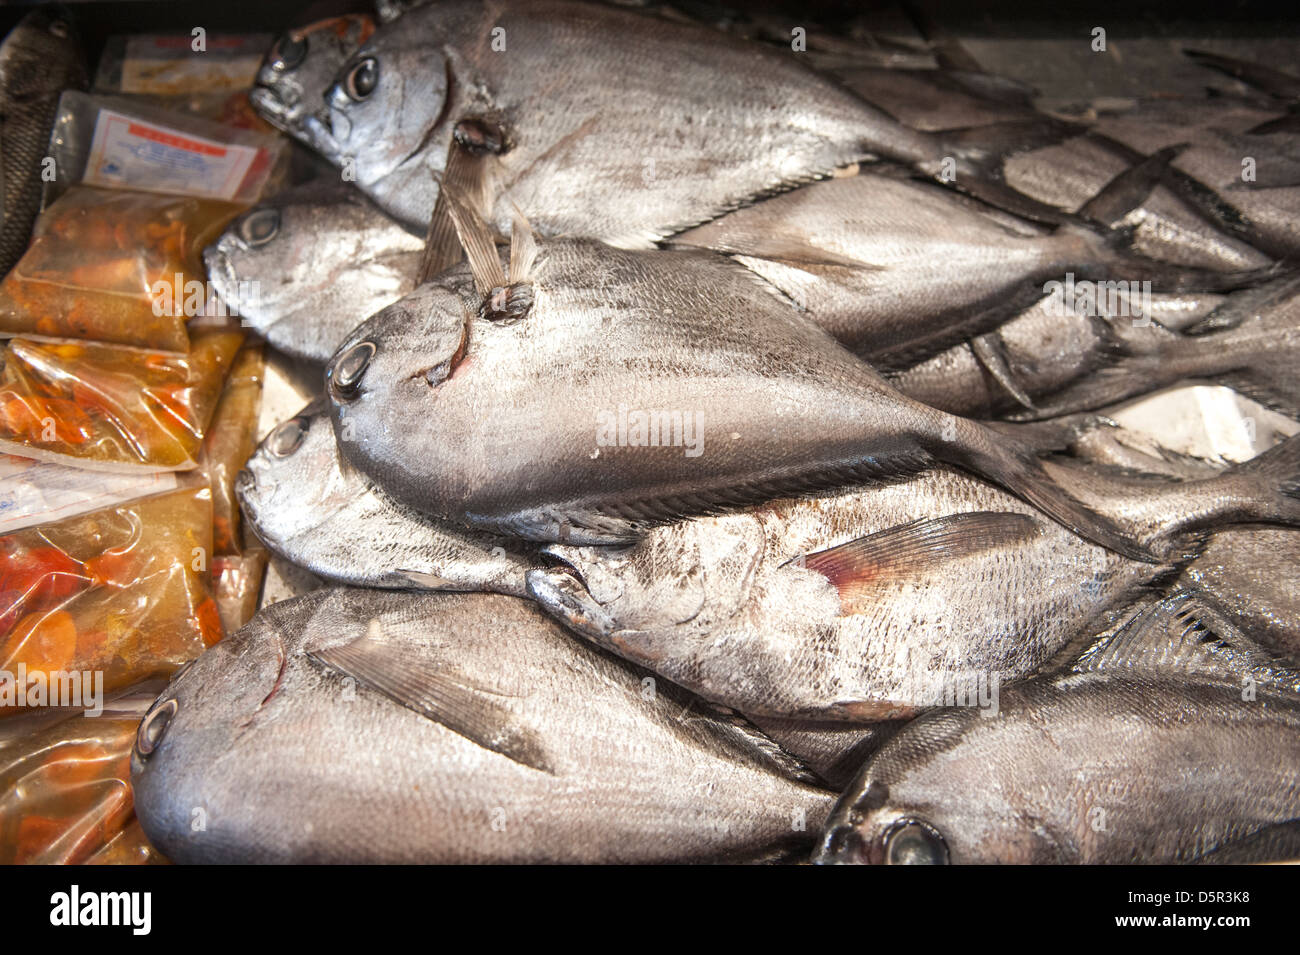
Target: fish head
(382, 112)
(678, 582)
(380, 382)
(930, 796)
(192, 727)
(308, 251)
(299, 68)
(41, 56)
(295, 479)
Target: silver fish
(39, 59)
(897, 270)
(367, 726)
(871, 604)
(1058, 360)
(302, 63)
(521, 424)
(308, 265)
(315, 511)
(1105, 764)
(586, 153)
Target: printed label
(37, 492)
(132, 153)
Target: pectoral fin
(415, 682)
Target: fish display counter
(603, 432)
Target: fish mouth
(842, 845)
(564, 595)
(268, 104)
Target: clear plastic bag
(111, 407)
(111, 597)
(231, 437)
(65, 789)
(116, 266)
(237, 584)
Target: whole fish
(871, 604)
(1100, 765)
(1055, 359)
(586, 153)
(308, 265)
(301, 65)
(319, 513)
(39, 59)
(897, 270)
(544, 419)
(366, 726)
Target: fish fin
(760, 747)
(1288, 123)
(1274, 477)
(1279, 842)
(476, 238)
(1180, 635)
(413, 681)
(464, 175)
(980, 150)
(1128, 190)
(566, 598)
(523, 249)
(904, 552)
(989, 352)
(1015, 466)
(1273, 82)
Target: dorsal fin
(523, 249)
(476, 239)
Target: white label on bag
(131, 153)
(37, 492)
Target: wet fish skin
(293, 762)
(437, 65)
(1249, 574)
(850, 605)
(301, 65)
(1085, 769)
(39, 59)
(781, 405)
(318, 513)
(332, 260)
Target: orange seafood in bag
(112, 407)
(114, 265)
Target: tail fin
(1277, 84)
(1000, 458)
(1268, 485)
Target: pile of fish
(714, 461)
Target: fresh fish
(587, 154)
(39, 59)
(929, 99)
(1252, 576)
(1106, 764)
(319, 513)
(366, 726)
(510, 409)
(308, 265)
(301, 65)
(897, 270)
(870, 604)
(1166, 226)
(1053, 360)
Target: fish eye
(913, 842)
(154, 726)
(260, 226)
(286, 438)
(289, 51)
(346, 371)
(362, 79)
